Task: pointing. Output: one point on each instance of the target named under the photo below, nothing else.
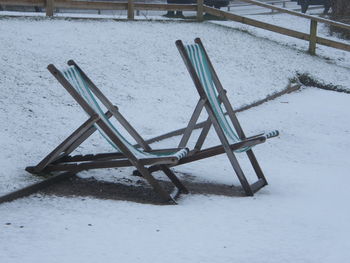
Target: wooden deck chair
(91, 99)
(213, 98)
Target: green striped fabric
(200, 63)
(74, 77)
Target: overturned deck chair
(212, 98)
(91, 99)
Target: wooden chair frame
(61, 160)
(203, 102)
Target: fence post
(131, 8)
(313, 36)
(49, 7)
(200, 10)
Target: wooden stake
(49, 7)
(131, 8)
(200, 10)
(313, 37)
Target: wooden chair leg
(256, 166)
(174, 179)
(156, 186)
(64, 145)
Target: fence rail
(200, 9)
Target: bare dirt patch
(91, 187)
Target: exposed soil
(344, 33)
(76, 186)
(309, 81)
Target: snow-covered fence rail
(200, 8)
(312, 37)
(128, 5)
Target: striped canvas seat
(200, 64)
(100, 111)
(202, 68)
(78, 82)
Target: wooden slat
(107, 164)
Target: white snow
(301, 216)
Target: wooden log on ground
(26, 191)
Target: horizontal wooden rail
(122, 6)
(101, 5)
(91, 5)
(287, 11)
(274, 28)
(40, 3)
(199, 8)
(166, 7)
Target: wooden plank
(274, 28)
(313, 37)
(331, 43)
(287, 11)
(90, 157)
(35, 187)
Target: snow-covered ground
(301, 216)
(298, 24)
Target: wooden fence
(200, 9)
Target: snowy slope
(300, 217)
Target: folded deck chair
(213, 98)
(91, 99)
